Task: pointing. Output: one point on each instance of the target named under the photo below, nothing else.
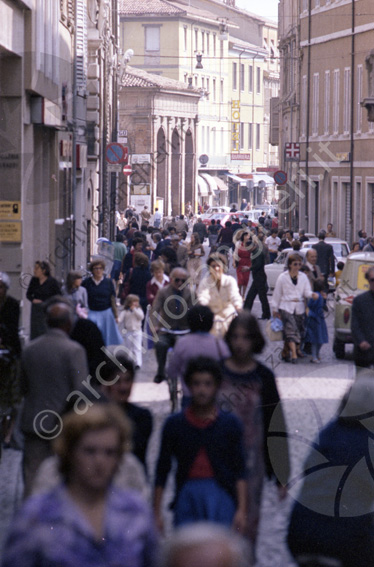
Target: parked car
(224, 217)
(274, 270)
(341, 247)
(352, 283)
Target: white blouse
(290, 297)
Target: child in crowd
(316, 329)
(338, 273)
(130, 325)
(207, 445)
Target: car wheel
(339, 348)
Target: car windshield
(340, 250)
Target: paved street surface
(310, 395)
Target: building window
(207, 86)
(196, 78)
(241, 141)
(207, 43)
(196, 40)
(221, 52)
(258, 80)
(335, 116)
(326, 126)
(315, 108)
(359, 98)
(303, 105)
(202, 82)
(214, 45)
(258, 136)
(152, 38)
(221, 92)
(242, 78)
(250, 139)
(202, 41)
(347, 101)
(214, 90)
(185, 38)
(304, 5)
(234, 76)
(250, 79)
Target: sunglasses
(179, 280)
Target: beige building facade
(334, 175)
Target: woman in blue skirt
(102, 303)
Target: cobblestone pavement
(310, 394)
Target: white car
(341, 247)
(279, 265)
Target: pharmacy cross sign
(292, 150)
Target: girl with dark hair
(42, 287)
(250, 392)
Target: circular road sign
(127, 170)
(203, 159)
(280, 177)
(116, 153)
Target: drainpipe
(349, 228)
(307, 117)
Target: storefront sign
(235, 126)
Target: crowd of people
(89, 498)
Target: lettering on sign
(235, 125)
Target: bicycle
(172, 381)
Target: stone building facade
(160, 116)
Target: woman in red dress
(242, 260)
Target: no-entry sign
(127, 170)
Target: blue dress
(316, 329)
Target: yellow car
(352, 283)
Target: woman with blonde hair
(86, 520)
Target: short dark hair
(293, 258)
(318, 285)
(200, 318)
(203, 364)
(44, 266)
(120, 237)
(122, 364)
(249, 322)
(340, 265)
(137, 241)
(322, 235)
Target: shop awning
(210, 181)
(220, 183)
(202, 187)
(257, 177)
(236, 179)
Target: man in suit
(53, 367)
(169, 316)
(314, 271)
(325, 257)
(362, 324)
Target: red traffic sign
(116, 153)
(127, 170)
(292, 150)
(280, 177)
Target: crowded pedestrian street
(310, 397)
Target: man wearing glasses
(362, 324)
(169, 317)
